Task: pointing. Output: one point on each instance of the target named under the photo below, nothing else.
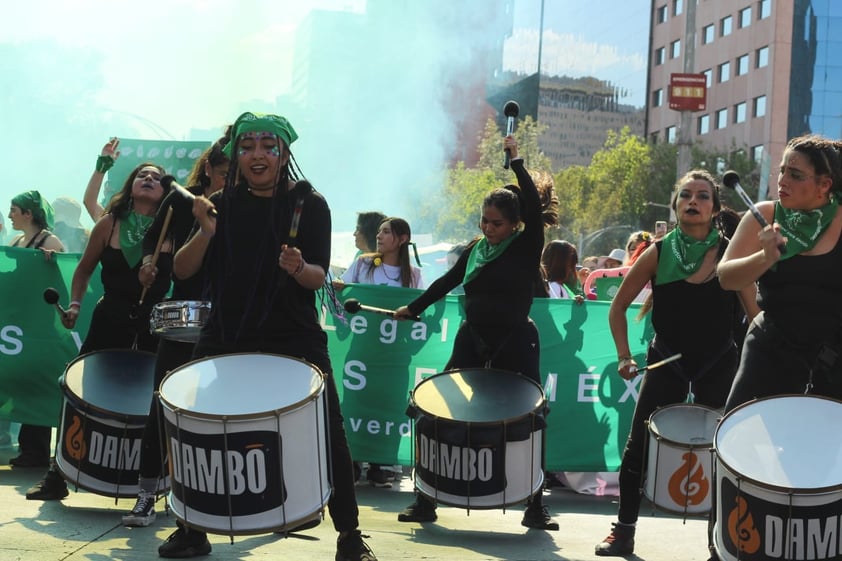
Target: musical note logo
(688, 485)
(74, 440)
(741, 528)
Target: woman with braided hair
(266, 253)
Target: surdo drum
(179, 320)
(779, 480)
(247, 441)
(680, 458)
(107, 395)
(478, 437)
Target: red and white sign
(688, 92)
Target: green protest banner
(34, 346)
(176, 157)
(377, 362)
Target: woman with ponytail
(499, 272)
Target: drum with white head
(247, 442)
(779, 480)
(478, 437)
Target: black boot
(619, 542)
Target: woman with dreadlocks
(499, 271)
(266, 254)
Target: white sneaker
(143, 513)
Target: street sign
(688, 92)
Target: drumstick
(155, 255)
(660, 363)
(296, 219)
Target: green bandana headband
(34, 203)
(133, 227)
(682, 255)
(260, 122)
(803, 228)
(484, 253)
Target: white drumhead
(785, 441)
(240, 384)
(685, 423)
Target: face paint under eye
(275, 151)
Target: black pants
(660, 387)
(311, 347)
(171, 355)
(516, 349)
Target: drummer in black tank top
(692, 315)
(118, 322)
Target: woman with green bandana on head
(118, 321)
(265, 254)
(33, 215)
(692, 315)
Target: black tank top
(695, 320)
(802, 296)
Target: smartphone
(660, 229)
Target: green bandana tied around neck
(34, 203)
(803, 228)
(260, 122)
(484, 253)
(133, 227)
(682, 255)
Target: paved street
(87, 527)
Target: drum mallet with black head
(51, 297)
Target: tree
(454, 213)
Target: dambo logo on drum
(243, 466)
(103, 450)
(750, 528)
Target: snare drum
(179, 320)
(680, 458)
(779, 481)
(106, 404)
(247, 441)
(478, 437)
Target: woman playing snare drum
(499, 273)
(692, 315)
